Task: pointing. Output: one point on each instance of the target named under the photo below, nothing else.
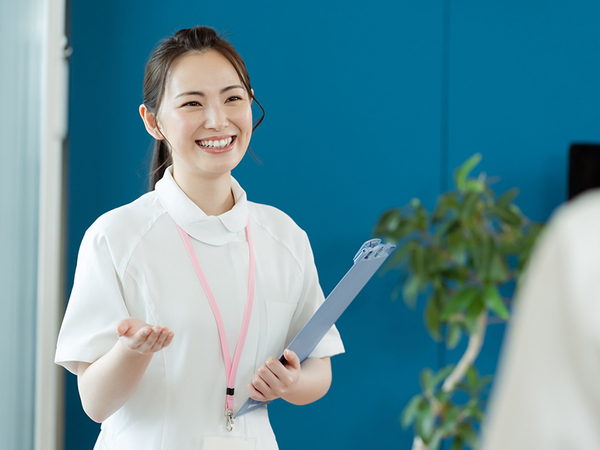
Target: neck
(213, 196)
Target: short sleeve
(311, 298)
(95, 306)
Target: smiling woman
(166, 285)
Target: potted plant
(461, 258)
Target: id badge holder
(229, 443)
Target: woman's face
(205, 115)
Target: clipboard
(368, 259)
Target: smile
(216, 144)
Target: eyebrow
(201, 94)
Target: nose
(216, 118)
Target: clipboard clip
(372, 249)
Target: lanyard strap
(230, 366)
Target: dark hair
(157, 69)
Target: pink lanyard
(230, 367)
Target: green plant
(460, 258)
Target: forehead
(196, 71)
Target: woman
(183, 298)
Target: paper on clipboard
(368, 259)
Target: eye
(192, 103)
(234, 98)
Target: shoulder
(579, 219)
(281, 228)
(570, 244)
(120, 230)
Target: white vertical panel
(21, 54)
(33, 76)
(54, 87)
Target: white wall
(32, 107)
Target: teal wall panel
(368, 105)
(522, 86)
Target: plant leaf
(457, 444)
(493, 301)
(424, 422)
(388, 222)
(473, 312)
(461, 301)
(442, 374)
(468, 207)
(411, 290)
(498, 272)
(410, 411)
(436, 439)
(475, 186)
(432, 319)
(508, 197)
(459, 253)
(450, 419)
(484, 381)
(469, 435)
(418, 261)
(453, 335)
(427, 380)
(472, 378)
(506, 215)
(487, 252)
(462, 172)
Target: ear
(252, 97)
(151, 123)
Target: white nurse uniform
(133, 263)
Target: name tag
(226, 443)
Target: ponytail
(161, 159)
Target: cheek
(187, 125)
(181, 125)
(243, 119)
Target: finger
(122, 327)
(151, 339)
(265, 390)
(160, 340)
(135, 341)
(283, 373)
(277, 385)
(254, 393)
(292, 358)
(268, 375)
(142, 338)
(169, 338)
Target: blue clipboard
(369, 258)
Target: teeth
(216, 144)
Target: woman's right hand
(106, 384)
(141, 337)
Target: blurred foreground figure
(548, 393)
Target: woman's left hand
(274, 379)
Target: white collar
(213, 230)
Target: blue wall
(368, 105)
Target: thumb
(123, 327)
(292, 358)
